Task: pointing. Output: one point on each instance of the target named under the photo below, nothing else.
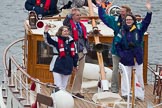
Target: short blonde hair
(128, 9)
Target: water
(13, 15)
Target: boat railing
(15, 75)
(63, 17)
(156, 70)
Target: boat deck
(149, 98)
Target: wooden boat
(28, 83)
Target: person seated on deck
(42, 7)
(67, 4)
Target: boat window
(44, 53)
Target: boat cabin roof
(104, 30)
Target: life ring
(114, 10)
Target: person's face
(129, 21)
(76, 16)
(123, 12)
(65, 32)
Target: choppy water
(13, 15)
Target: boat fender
(61, 95)
(94, 74)
(34, 105)
(33, 86)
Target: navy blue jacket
(31, 5)
(130, 48)
(62, 65)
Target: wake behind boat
(28, 82)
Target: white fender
(62, 99)
(34, 93)
(91, 71)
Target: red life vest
(62, 50)
(46, 6)
(75, 31)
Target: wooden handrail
(82, 17)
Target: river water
(13, 15)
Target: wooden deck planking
(79, 103)
(149, 97)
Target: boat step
(21, 98)
(11, 86)
(27, 106)
(3, 89)
(16, 92)
(4, 97)
(5, 100)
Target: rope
(87, 101)
(157, 105)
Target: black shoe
(137, 98)
(114, 91)
(78, 95)
(124, 97)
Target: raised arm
(147, 20)
(108, 20)
(47, 38)
(148, 5)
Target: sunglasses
(129, 19)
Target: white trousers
(60, 80)
(138, 78)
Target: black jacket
(31, 5)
